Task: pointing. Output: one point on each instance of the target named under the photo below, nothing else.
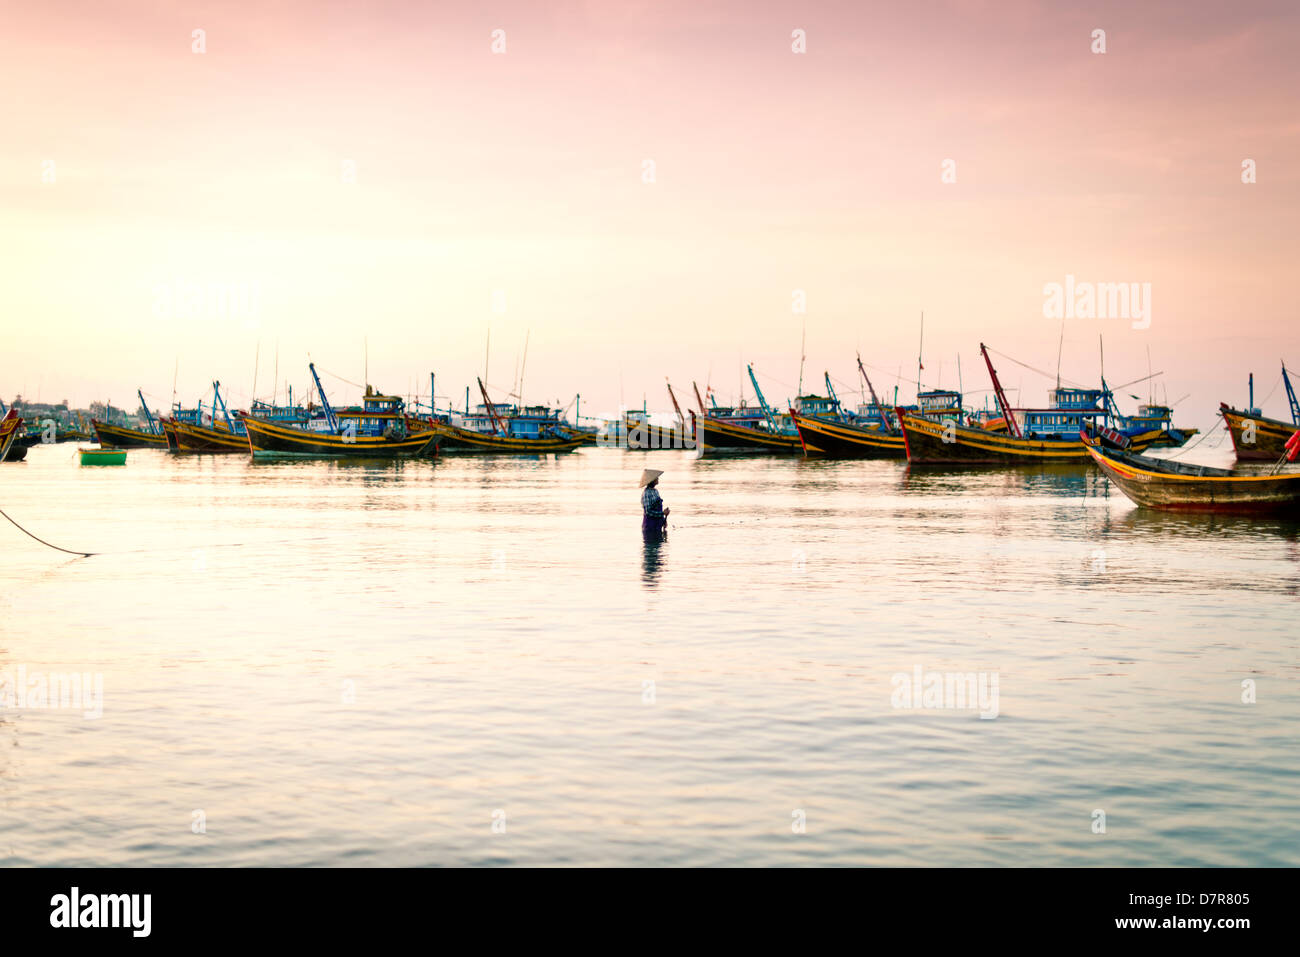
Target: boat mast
(680, 418)
(830, 390)
(522, 367)
(497, 424)
(1290, 394)
(330, 417)
(153, 427)
(1012, 425)
(698, 400)
(803, 354)
(874, 401)
(920, 347)
(762, 402)
(216, 393)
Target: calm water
(361, 664)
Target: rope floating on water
(43, 541)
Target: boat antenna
(959, 385)
(1059, 347)
(522, 368)
(275, 379)
(1150, 387)
(175, 373)
(920, 347)
(365, 371)
(803, 353)
(257, 355)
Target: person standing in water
(655, 518)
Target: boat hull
(11, 426)
(169, 433)
(944, 442)
(117, 437)
(191, 439)
(1255, 438)
(720, 436)
(646, 437)
(1236, 493)
(268, 439)
(832, 439)
(456, 439)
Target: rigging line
(340, 378)
(1276, 382)
(1187, 448)
(43, 541)
(1073, 385)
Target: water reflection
(1060, 479)
(654, 552)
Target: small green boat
(103, 456)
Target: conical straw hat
(648, 476)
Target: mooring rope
(43, 541)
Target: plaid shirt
(651, 503)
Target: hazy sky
(507, 190)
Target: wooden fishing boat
(120, 437)
(168, 426)
(266, 438)
(503, 428)
(749, 429)
(728, 429)
(1033, 437)
(945, 442)
(375, 430)
(102, 456)
(1164, 484)
(11, 427)
(844, 439)
(192, 439)
(639, 434)
(222, 433)
(459, 439)
(1257, 438)
(872, 432)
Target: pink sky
(522, 172)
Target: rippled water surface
(369, 664)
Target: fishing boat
(121, 437)
(639, 434)
(1255, 437)
(221, 432)
(503, 428)
(11, 426)
(871, 432)
(742, 429)
(376, 429)
(1033, 436)
(178, 415)
(1151, 417)
(1166, 484)
(102, 456)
